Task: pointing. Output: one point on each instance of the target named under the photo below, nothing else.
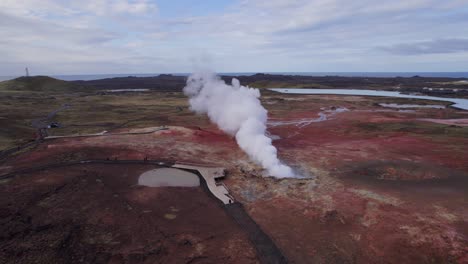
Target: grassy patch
(89, 112)
(38, 83)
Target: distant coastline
(87, 77)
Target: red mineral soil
(98, 214)
(454, 122)
(376, 185)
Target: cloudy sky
(155, 36)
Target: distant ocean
(87, 77)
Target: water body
(457, 102)
(127, 90)
(380, 74)
(168, 177)
(412, 106)
(87, 77)
(303, 122)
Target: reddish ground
(379, 186)
(97, 214)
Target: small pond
(168, 177)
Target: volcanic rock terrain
(376, 185)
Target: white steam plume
(237, 111)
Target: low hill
(37, 84)
(163, 82)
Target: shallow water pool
(168, 177)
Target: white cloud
(248, 35)
(118, 7)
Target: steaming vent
(236, 110)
